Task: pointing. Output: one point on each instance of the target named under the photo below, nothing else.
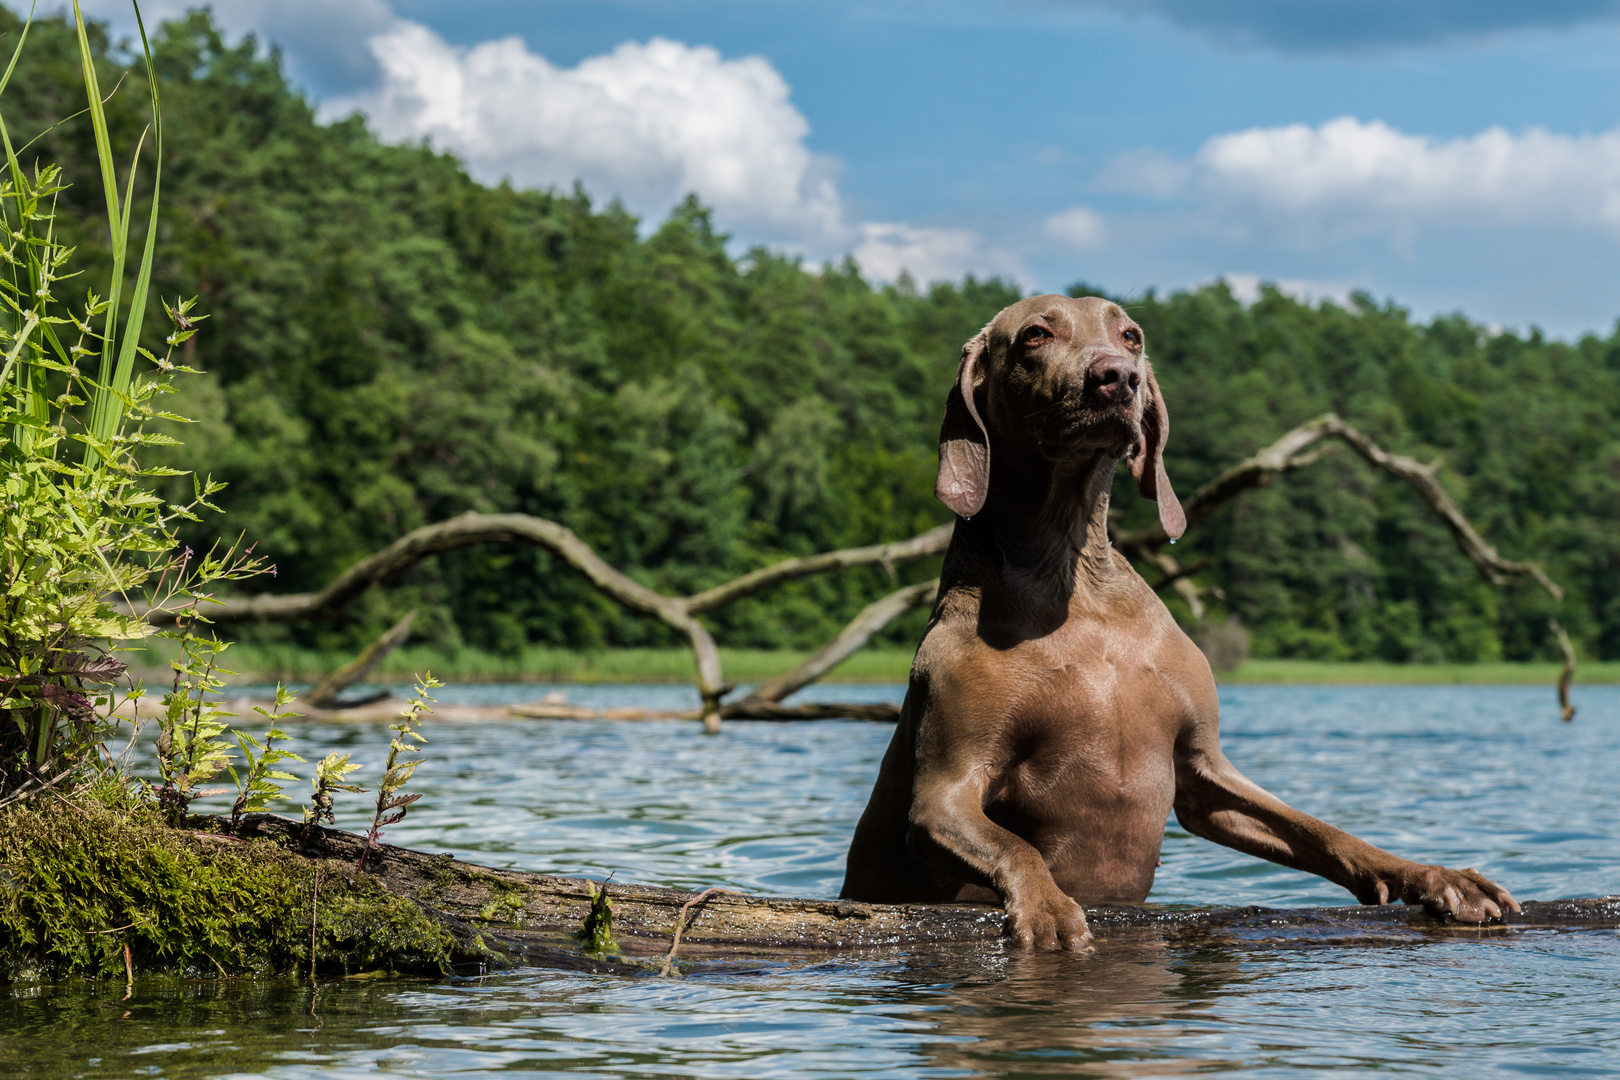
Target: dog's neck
(1053, 526)
(1040, 541)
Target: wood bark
(507, 917)
(325, 694)
(1567, 675)
(874, 617)
(472, 528)
(1289, 453)
(921, 546)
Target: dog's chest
(1101, 727)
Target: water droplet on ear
(1172, 539)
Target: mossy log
(90, 890)
(506, 917)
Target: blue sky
(1448, 154)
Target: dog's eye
(1132, 336)
(1035, 335)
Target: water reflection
(1122, 1011)
(1535, 1002)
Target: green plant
(328, 781)
(255, 785)
(597, 930)
(81, 530)
(391, 808)
(191, 743)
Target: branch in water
(1288, 453)
(1567, 675)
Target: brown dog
(1056, 712)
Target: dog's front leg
(1216, 801)
(950, 835)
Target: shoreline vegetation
(271, 663)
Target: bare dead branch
(473, 528)
(874, 617)
(1567, 675)
(932, 542)
(1294, 450)
(680, 927)
(1175, 575)
(674, 611)
(1288, 453)
(324, 696)
(1422, 480)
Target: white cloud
(1349, 176)
(1246, 289)
(929, 254)
(1079, 227)
(646, 122)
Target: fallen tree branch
(325, 694)
(872, 618)
(472, 528)
(1176, 573)
(680, 926)
(932, 542)
(1287, 454)
(520, 918)
(1567, 675)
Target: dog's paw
(1465, 895)
(1048, 920)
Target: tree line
(392, 343)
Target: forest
(390, 343)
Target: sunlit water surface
(1470, 776)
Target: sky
(1449, 155)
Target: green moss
(79, 883)
(506, 906)
(597, 933)
(378, 932)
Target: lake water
(1470, 776)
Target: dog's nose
(1115, 378)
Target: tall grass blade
(105, 409)
(143, 276)
(24, 384)
(21, 40)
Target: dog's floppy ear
(964, 447)
(1148, 463)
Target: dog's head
(1060, 377)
